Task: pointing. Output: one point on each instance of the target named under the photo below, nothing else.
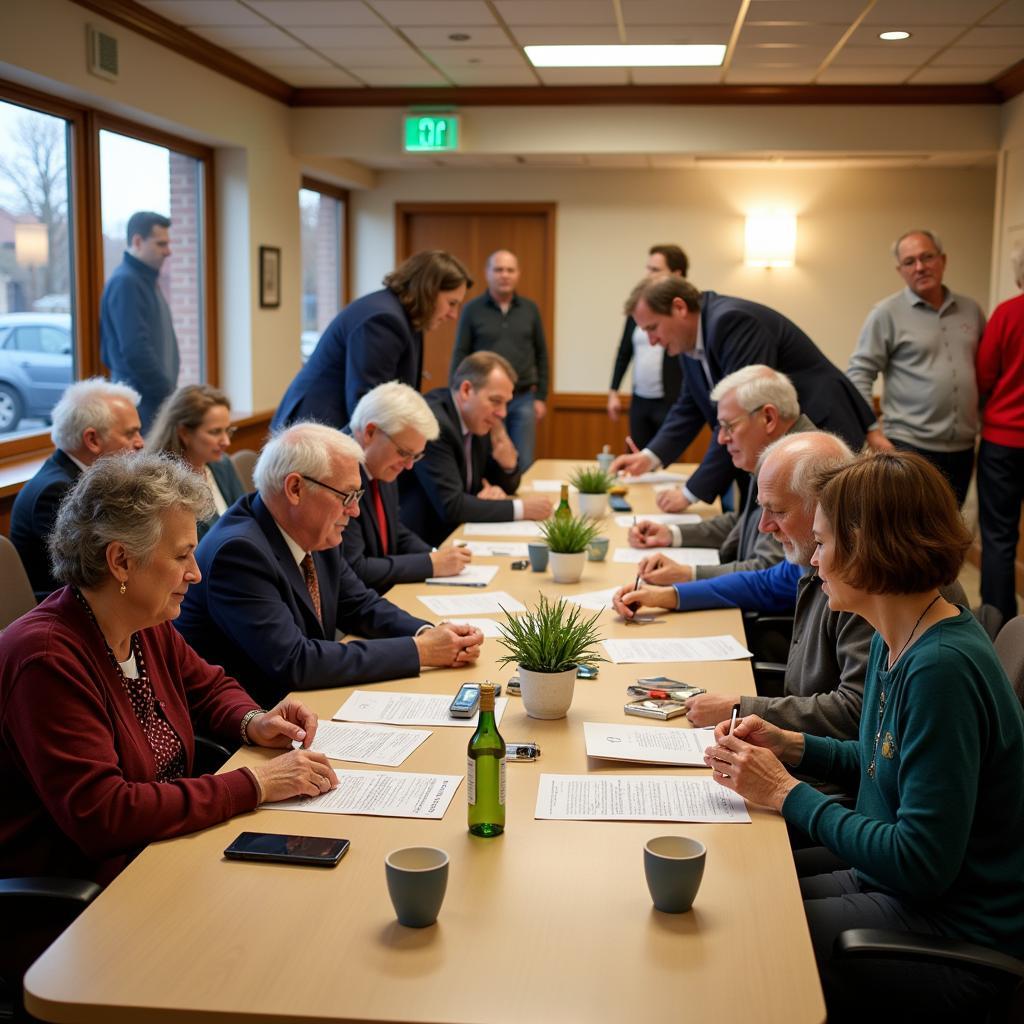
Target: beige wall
(607, 219)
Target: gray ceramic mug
(538, 552)
(674, 866)
(417, 878)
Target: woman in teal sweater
(935, 843)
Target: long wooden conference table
(550, 923)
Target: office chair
(16, 596)
(1010, 649)
(244, 461)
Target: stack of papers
(495, 548)
(657, 477)
(387, 794)
(408, 709)
(595, 600)
(366, 744)
(687, 556)
(472, 604)
(472, 575)
(551, 486)
(648, 744)
(522, 528)
(667, 518)
(693, 648)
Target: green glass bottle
(485, 771)
(563, 511)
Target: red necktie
(382, 522)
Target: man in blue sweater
(137, 340)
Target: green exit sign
(431, 133)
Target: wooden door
(471, 232)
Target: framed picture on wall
(270, 277)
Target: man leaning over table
(756, 406)
(275, 585)
(824, 680)
(468, 475)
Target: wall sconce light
(771, 239)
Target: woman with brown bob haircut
(376, 339)
(935, 842)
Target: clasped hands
(448, 645)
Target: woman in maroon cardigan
(99, 694)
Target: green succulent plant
(569, 535)
(551, 637)
(592, 480)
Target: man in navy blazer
(92, 418)
(392, 424)
(468, 474)
(276, 586)
(714, 335)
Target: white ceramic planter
(546, 694)
(567, 568)
(594, 506)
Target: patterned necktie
(309, 573)
(378, 511)
(468, 444)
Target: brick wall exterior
(181, 277)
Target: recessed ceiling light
(893, 36)
(626, 56)
(458, 37)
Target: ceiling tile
(746, 56)
(676, 76)
(438, 12)
(317, 77)
(560, 35)
(469, 76)
(692, 34)
(881, 56)
(306, 13)
(584, 76)
(374, 57)
(955, 76)
(802, 32)
(1007, 35)
(401, 77)
(905, 13)
(863, 76)
(920, 35)
(492, 57)
(565, 12)
(986, 56)
(239, 35)
(281, 57)
(799, 74)
(1011, 13)
(354, 35)
(679, 12)
(836, 12)
(204, 12)
(438, 35)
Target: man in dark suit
(92, 418)
(714, 335)
(468, 474)
(276, 586)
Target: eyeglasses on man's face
(347, 497)
(726, 427)
(403, 453)
(926, 259)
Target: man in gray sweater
(756, 406)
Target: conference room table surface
(550, 922)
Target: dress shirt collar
(81, 465)
(298, 553)
(462, 423)
(948, 299)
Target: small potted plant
(548, 644)
(593, 483)
(568, 538)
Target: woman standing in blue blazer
(376, 339)
(195, 425)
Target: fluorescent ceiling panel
(626, 56)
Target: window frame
(86, 234)
(343, 195)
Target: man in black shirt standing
(501, 321)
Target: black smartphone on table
(619, 504)
(319, 851)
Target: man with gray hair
(923, 341)
(824, 681)
(276, 587)
(756, 406)
(392, 424)
(93, 418)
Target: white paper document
(519, 528)
(665, 518)
(657, 477)
(687, 556)
(636, 798)
(551, 486)
(472, 575)
(388, 794)
(408, 709)
(366, 744)
(495, 548)
(691, 648)
(647, 744)
(486, 626)
(471, 604)
(595, 600)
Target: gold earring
(124, 587)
